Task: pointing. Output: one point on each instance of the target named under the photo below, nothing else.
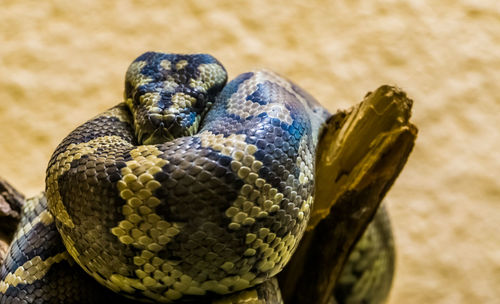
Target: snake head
(169, 93)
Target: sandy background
(63, 62)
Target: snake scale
(190, 187)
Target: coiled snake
(190, 187)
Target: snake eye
(132, 93)
(128, 88)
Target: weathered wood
(11, 202)
(360, 155)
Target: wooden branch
(360, 155)
(11, 202)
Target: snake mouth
(159, 136)
(161, 128)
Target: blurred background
(63, 62)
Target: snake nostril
(169, 118)
(155, 119)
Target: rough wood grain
(11, 202)
(360, 155)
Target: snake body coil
(172, 211)
(191, 186)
